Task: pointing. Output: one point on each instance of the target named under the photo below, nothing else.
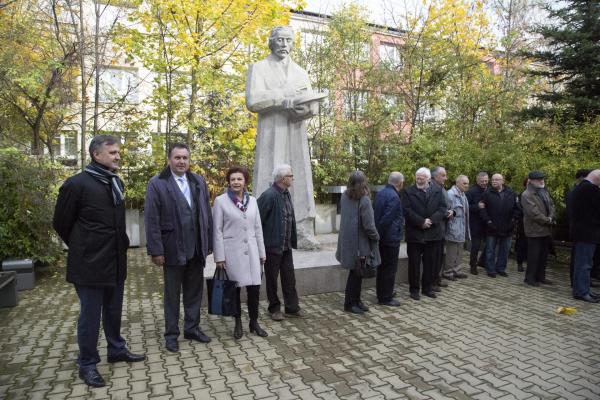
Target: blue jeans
(99, 303)
(584, 259)
(496, 259)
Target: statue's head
(281, 41)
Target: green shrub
(27, 203)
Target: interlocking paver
(481, 339)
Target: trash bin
(24, 270)
(8, 289)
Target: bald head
(497, 182)
(594, 177)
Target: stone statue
(279, 90)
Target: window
(310, 39)
(389, 55)
(117, 84)
(394, 106)
(355, 103)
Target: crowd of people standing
(249, 235)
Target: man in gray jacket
(457, 228)
(179, 238)
(538, 219)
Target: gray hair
(99, 141)
(424, 171)
(395, 178)
(276, 30)
(279, 172)
(481, 174)
(436, 170)
(458, 178)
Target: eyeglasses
(289, 176)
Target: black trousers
(386, 272)
(439, 264)
(275, 265)
(353, 289)
(537, 256)
(521, 249)
(252, 293)
(426, 254)
(477, 246)
(99, 303)
(189, 279)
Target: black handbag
(362, 267)
(223, 296)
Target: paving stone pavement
(482, 338)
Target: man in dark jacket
(178, 221)
(279, 233)
(538, 219)
(579, 176)
(476, 223)
(90, 218)
(498, 208)
(585, 230)
(388, 221)
(424, 210)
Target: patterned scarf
(103, 175)
(242, 205)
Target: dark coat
(358, 235)
(476, 223)
(88, 221)
(388, 216)
(418, 207)
(585, 213)
(500, 211)
(271, 204)
(164, 231)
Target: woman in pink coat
(238, 243)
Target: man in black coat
(579, 176)
(498, 208)
(90, 218)
(585, 231)
(178, 222)
(424, 210)
(476, 224)
(279, 234)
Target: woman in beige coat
(238, 243)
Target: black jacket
(585, 213)
(91, 225)
(501, 210)
(271, 204)
(164, 232)
(476, 223)
(418, 207)
(388, 216)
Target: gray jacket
(537, 217)
(354, 240)
(457, 228)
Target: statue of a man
(279, 90)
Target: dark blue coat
(585, 213)
(500, 212)
(164, 231)
(388, 216)
(476, 223)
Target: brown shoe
(277, 316)
(298, 314)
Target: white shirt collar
(175, 176)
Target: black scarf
(103, 175)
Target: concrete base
(319, 272)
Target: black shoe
(587, 298)
(362, 306)
(546, 282)
(255, 328)
(449, 277)
(391, 303)
(172, 346)
(474, 271)
(198, 336)
(430, 294)
(504, 274)
(520, 268)
(436, 289)
(594, 284)
(126, 356)
(238, 332)
(530, 283)
(415, 296)
(595, 295)
(353, 309)
(491, 274)
(461, 275)
(92, 377)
